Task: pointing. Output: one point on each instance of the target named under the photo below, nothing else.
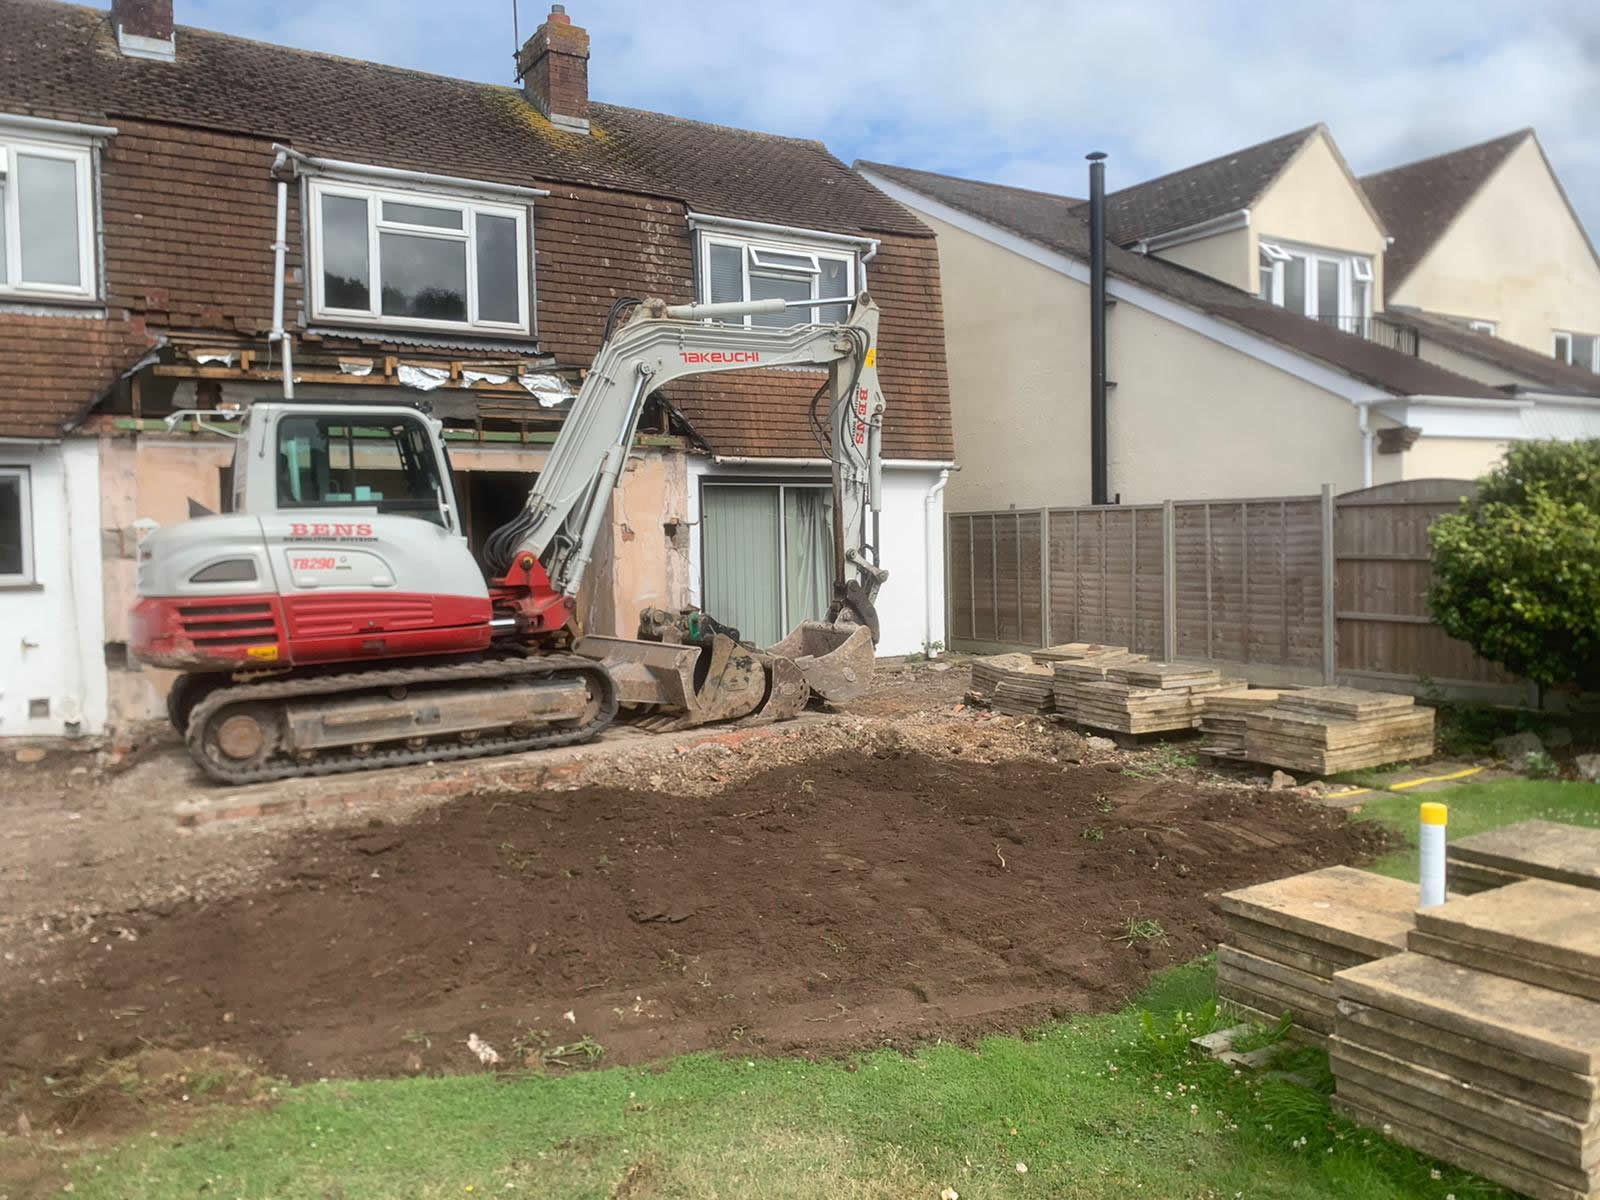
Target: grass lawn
(1101, 1107)
(1475, 807)
(1110, 1106)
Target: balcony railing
(1378, 329)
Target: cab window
(334, 462)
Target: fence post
(1044, 578)
(1330, 626)
(1169, 582)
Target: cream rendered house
(1285, 219)
(1485, 238)
(1250, 352)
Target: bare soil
(889, 893)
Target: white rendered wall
(52, 637)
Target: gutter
(750, 460)
(46, 125)
(1238, 219)
(697, 219)
(335, 166)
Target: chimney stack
(554, 68)
(144, 29)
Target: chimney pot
(553, 65)
(144, 28)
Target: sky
(1017, 91)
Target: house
(1486, 240)
(435, 241)
(1250, 352)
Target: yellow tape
(1434, 813)
(1411, 783)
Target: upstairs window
(1578, 349)
(1485, 327)
(1325, 285)
(47, 226)
(734, 270)
(385, 257)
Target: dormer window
(1325, 285)
(418, 259)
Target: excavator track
(207, 729)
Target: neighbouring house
(1486, 240)
(1250, 352)
(442, 241)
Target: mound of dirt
(846, 902)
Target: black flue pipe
(1098, 486)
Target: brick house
(444, 241)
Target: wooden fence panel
(1385, 632)
(1246, 585)
(1149, 564)
(959, 576)
(994, 577)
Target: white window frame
(1354, 269)
(469, 207)
(751, 248)
(81, 155)
(24, 485)
(1490, 328)
(1564, 345)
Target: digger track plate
(267, 695)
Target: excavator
(336, 619)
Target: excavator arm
(660, 343)
(684, 663)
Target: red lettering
(364, 530)
(713, 357)
(297, 529)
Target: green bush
(1516, 572)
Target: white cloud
(1019, 90)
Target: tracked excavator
(337, 620)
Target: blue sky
(1018, 90)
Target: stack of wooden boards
(1482, 1045)
(1325, 730)
(1285, 941)
(1014, 683)
(1527, 850)
(1145, 697)
(1088, 668)
(1222, 716)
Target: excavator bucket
(835, 663)
(691, 684)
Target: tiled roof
(1202, 192)
(61, 60)
(1064, 229)
(1543, 369)
(1419, 200)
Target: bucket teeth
(719, 679)
(836, 663)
